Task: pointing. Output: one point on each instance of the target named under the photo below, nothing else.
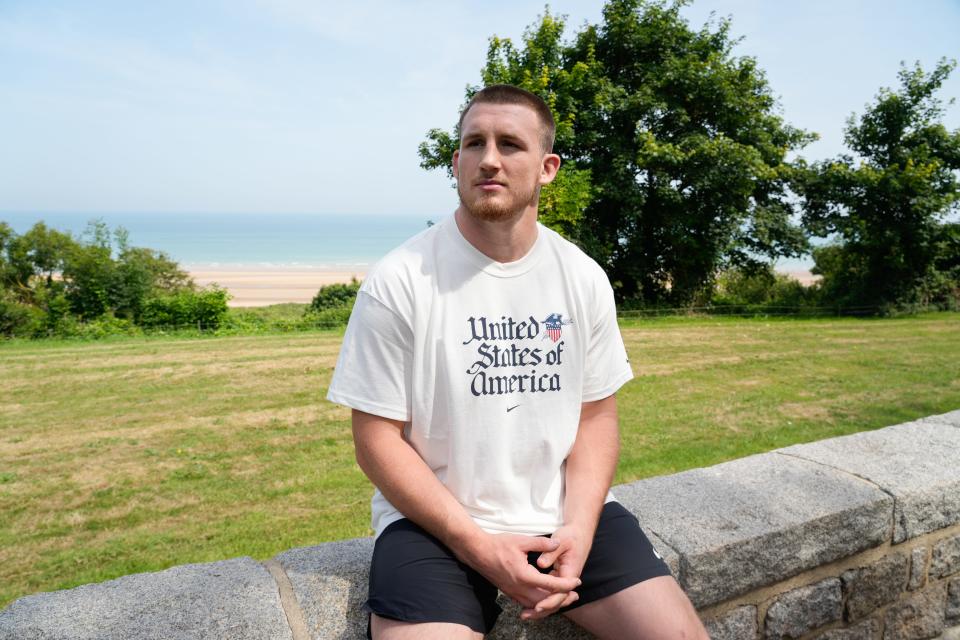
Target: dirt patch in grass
(814, 412)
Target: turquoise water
(262, 240)
(259, 240)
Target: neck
(503, 240)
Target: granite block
(233, 599)
(757, 520)
(330, 583)
(918, 463)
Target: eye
(474, 143)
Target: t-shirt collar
(489, 265)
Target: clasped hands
(504, 563)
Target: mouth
(489, 185)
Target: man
(481, 362)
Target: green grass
(136, 454)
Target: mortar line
(288, 600)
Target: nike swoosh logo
(512, 408)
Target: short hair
(509, 94)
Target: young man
(481, 362)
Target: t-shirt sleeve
(607, 366)
(374, 368)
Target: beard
(495, 207)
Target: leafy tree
(38, 254)
(6, 237)
(59, 279)
(886, 204)
(674, 157)
(143, 273)
(89, 272)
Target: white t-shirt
(487, 363)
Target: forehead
(513, 119)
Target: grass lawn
(138, 454)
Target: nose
(490, 160)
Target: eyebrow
(509, 136)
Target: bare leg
(387, 629)
(655, 609)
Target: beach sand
(805, 277)
(259, 287)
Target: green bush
(203, 308)
(335, 296)
(762, 288)
(17, 319)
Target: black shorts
(415, 578)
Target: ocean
(279, 240)
(215, 240)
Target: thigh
(620, 557)
(655, 609)
(628, 590)
(414, 578)
(387, 629)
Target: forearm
(591, 465)
(408, 483)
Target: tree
(6, 238)
(89, 271)
(143, 273)
(674, 157)
(37, 255)
(887, 203)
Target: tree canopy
(674, 153)
(887, 203)
(51, 281)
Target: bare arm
(591, 464)
(410, 486)
(589, 472)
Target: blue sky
(312, 106)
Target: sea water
(221, 240)
(279, 240)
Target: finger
(536, 543)
(551, 603)
(572, 597)
(547, 558)
(550, 583)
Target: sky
(309, 106)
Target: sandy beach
(804, 277)
(259, 287)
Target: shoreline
(257, 286)
(260, 286)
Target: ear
(549, 168)
(456, 163)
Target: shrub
(335, 296)
(17, 319)
(204, 308)
(762, 288)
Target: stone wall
(856, 537)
